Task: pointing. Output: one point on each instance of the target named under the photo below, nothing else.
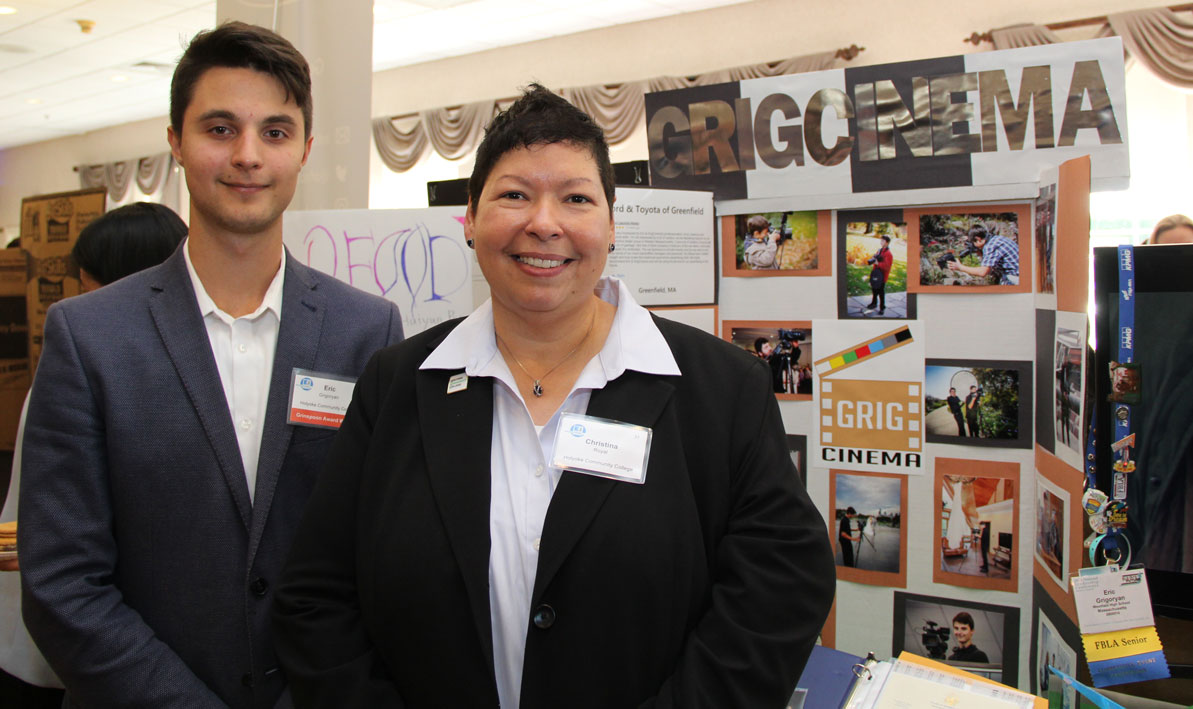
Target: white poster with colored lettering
(868, 395)
(416, 258)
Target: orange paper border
(824, 249)
(727, 335)
(874, 578)
(1062, 475)
(981, 469)
(1072, 235)
(1026, 247)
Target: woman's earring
(471, 243)
(611, 247)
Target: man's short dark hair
(757, 223)
(126, 240)
(964, 618)
(885, 238)
(850, 511)
(759, 343)
(977, 231)
(237, 45)
(952, 388)
(540, 117)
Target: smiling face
(242, 146)
(542, 228)
(963, 633)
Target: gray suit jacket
(148, 575)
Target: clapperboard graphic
(869, 396)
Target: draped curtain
(618, 108)
(151, 175)
(1158, 38)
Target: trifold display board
(907, 246)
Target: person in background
(452, 557)
(123, 241)
(126, 240)
(973, 408)
(1174, 229)
(761, 246)
(164, 471)
(847, 537)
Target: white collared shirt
(522, 482)
(244, 349)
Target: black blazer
(704, 587)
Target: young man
(881, 261)
(1000, 257)
(163, 481)
(846, 537)
(972, 411)
(954, 403)
(965, 651)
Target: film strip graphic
(867, 350)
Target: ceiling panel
(44, 55)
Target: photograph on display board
(1069, 386)
(867, 527)
(969, 250)
(1052, 531)
(786, 347)
(798, 446)
(978, 402)
(1046, 239)
(1051, 649)
(977, 518)
(872, 265)
(761, 244)
(977, 637)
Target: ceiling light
(6, 10)
(33, 101)
(119, 77)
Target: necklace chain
(538, 381)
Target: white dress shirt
(522, 481)
(243, 349)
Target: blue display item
(827, 677)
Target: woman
(444, 561)
(1173, 229)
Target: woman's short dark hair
(128, 239)
(540, 117)
(237, 45)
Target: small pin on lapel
(458, 382)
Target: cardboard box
(14, 344)
(50, 225)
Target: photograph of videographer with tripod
(785, 346)
(954, 250)
(776, 244)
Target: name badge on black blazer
(601, 447)
(319, 399)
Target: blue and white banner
(911, 132)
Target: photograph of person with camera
(875, 269)
(978, 637)
(969, 249)
(777, 241)
(785, 346)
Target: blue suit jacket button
(544, 617)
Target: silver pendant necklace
(538, 381)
